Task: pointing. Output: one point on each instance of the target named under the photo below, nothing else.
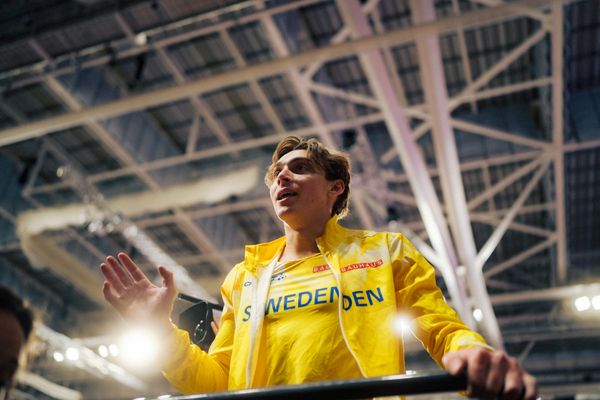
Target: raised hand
(134, 296)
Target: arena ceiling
(146, 126)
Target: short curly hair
(335, 164)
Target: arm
(190, 369)
(436, 324)
(455, 347)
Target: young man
(317, 303)
(16, 322)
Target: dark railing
(390, 385)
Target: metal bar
(347, 389)
(216, 151)
(490, 245)
(500, 135)
(504, 183)
(528, 209)
(472, 97)
(436, 97)
(515, 226)
(501, 65)
(472, 165)
(257, 90)
(551, 294)
(511, 262)
(534, 14)
(558, 140)
(272, 67)
(343, 94)
(503, 90)
(587, 145)
(159, 36)
(464, 54)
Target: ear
(337, 187)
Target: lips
(285, 194)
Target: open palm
(133, 295)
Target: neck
(301, 242)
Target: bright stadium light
(72, 354)
(58, 356)
(113, 349)
(103, 350)
(596, 302)
(477, 314)
(139, 348)
(582, 303)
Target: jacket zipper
(339, 285)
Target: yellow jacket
(360, 261)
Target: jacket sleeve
(192, 370)
(435, 323)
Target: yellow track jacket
(380, 271)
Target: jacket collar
(258, 255)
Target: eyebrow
(279, 163)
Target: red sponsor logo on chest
(320, 268)
(352, 267)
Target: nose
(283, 175)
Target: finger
(112, 278)
(531, 388)
(109, 296)
(496, 373)
(454, 363)
(513, 383)
(167, 278)
(119, 271)
(132, 267)
(215, 327)
(477, 371)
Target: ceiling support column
(410, 155)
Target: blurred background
(146, 126)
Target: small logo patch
(352, 267)
(320, 268)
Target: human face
(300, 193)
(11, 342)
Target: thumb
(454, 362)
(167, 278)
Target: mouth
(285, 194)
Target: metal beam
(516, 259)
(490, 245)
(514, 226)
(272, 67)
(464, 54)
(436, 96)
(483, 163)
(551, 294)
(215, 151)
(412, 160)
(179, 77)
(558, 140)
(497, 134)
(505, 182)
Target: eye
(301, 167)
